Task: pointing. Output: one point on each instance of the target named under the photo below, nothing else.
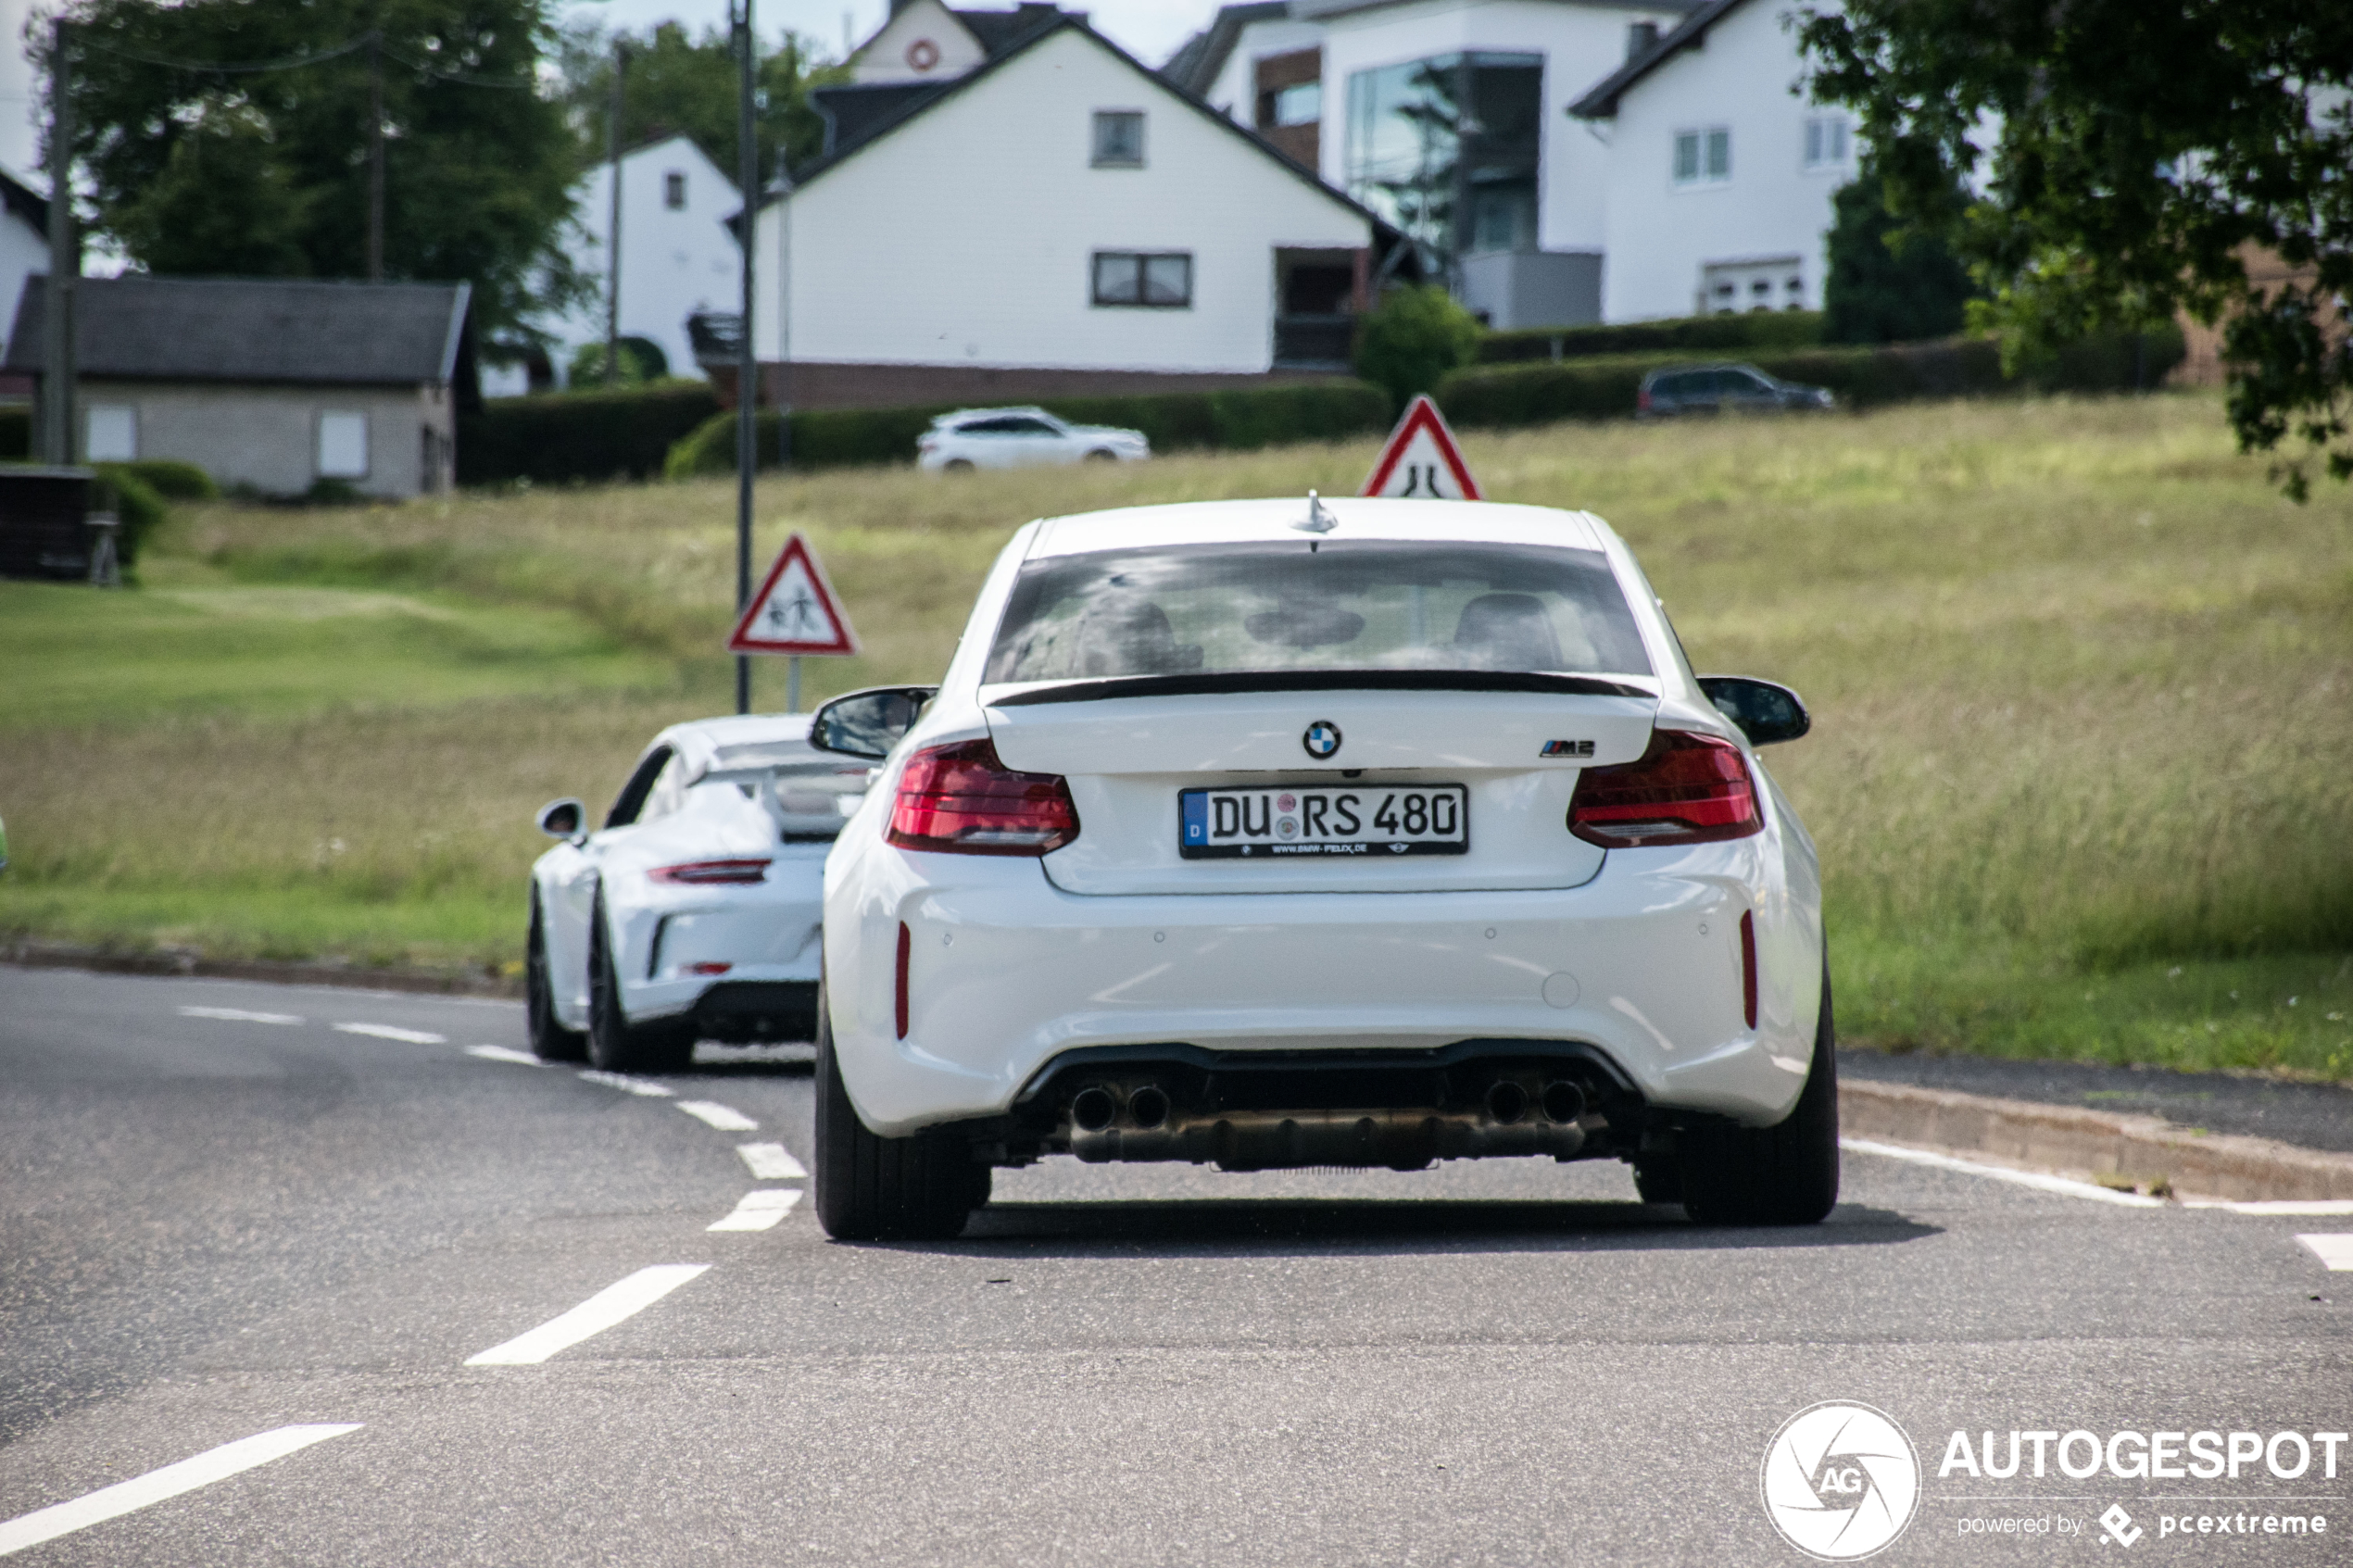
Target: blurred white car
(1272, 834)
(693, 912)
(1017, 439)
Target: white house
(677, 253)
(24, 236)
(1055, 206)
(1719, 178)
(1448, 117)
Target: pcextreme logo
(1841, 1481)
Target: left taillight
(959, 799)
(700, 873)
(1686, 789)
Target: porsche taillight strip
(705, 874)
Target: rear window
(1337, 605)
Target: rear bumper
(1006, 973)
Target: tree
(1413, 338)
(205, 171)
(680, 86)
(2125, 158)
(1886, 284)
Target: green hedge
(1237, 419)
(1753, 330)
(173, 479)
(1602, 388)
(138, 505)
(558, 436)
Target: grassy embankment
(2082, 774)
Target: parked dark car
(1712, 389)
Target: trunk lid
(1128, 758)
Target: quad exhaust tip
(1148, 1106)
(1506, 1101)
(1092, 1109)
(1564, 1102)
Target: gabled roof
(856, 112)
(1070, 21)
(277, 330)
(24, 201)
(1196, 66)
(1600, 101)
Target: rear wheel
(615, 1044)
(1102, 455)
(956, 465)
(550, 1041)
(1780, 1175)
(869, 1187)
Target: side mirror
(561, 819)
(1765, 713)
(868, 723)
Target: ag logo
(1841, 1481)
(1322, 739)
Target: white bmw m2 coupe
(1292, 832)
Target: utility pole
(375, 157)
(747, 360)
(65, 259)
(612, 227)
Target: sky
(1150, 29)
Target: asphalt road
(215, 1227)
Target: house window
(1119, 139)
(343, 446)
(1161, 283)
(1300, 104)
(1704, 157)
(1827, 142)
(1449, 148)
(110, 434)
(673, 191)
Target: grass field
(2082, 772)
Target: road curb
(2067, 1138)
(283, 971)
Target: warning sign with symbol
(795, 611)
(1422, 459)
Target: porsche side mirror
(1765, 713)
(868, 723)
(561, 819)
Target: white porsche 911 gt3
(1280, 834)
(692, 914)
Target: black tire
(959, 465)
(550, 1041)
(1100, 455)
(1780, 1175)
(1659, 1179)
(615, 1044)
(869, 1187)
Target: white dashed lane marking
(155, 1485)
(239, 1015)
(2305, 1206)
(770, 1162)
(2040, 1183)
(613, 1304)
(727, 1118)
(393, 1032)
(500, 1053)
(2334, 1251)
(627, 1084)
(759, 1210)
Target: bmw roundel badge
(1322, 739)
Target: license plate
(1221, 824)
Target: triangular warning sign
(1421, 458)
(795, 611)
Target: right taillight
(1686, 789)
(961, 800)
